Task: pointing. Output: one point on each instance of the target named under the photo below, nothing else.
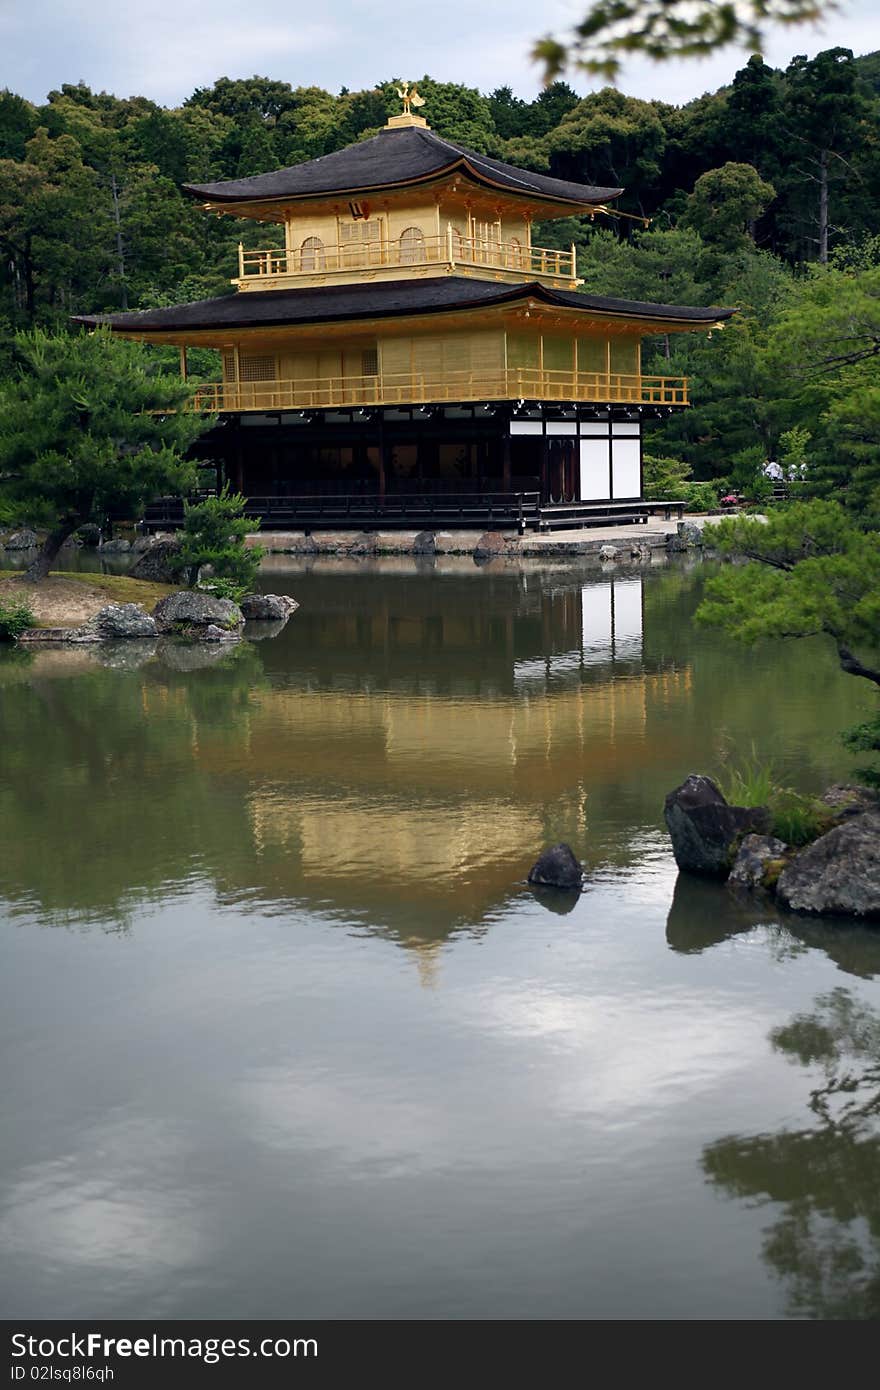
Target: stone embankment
(188, 615)
(620, 545)
(836, 874)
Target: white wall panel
(626, 469)
(594, 469)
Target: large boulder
(268, 608)
(120, 621)
(425, 543)
(490, 546)
(758, 862)
(21, 540)
(118, 546)
(839, 873)
(705, 830)
(557, 867)
(198, 616)
(161, 563)
(687, 536)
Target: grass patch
(796, 819)
(119, 588)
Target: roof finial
(409, 95)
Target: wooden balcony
(441, 254)
(327, 393)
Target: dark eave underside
(393, 159)
(391, 299)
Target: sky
(164, 49)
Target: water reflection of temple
(408, 757)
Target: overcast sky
(163, 49)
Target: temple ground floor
(524, 464)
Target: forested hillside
(764, 195)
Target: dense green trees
(84, 433)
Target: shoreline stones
(199, 617)
(705, 829)
(267, 608)
(837, 874)
(557, 867)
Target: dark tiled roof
(393, 158)
(389, 299)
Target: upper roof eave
(388, 299)
(393, 160)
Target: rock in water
(557, 868)
(757, 860)
(839, 873)
(161, 563)
(268, 608)
(120, 621)
(703, 827)
(190, 614)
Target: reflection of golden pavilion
(439, 796)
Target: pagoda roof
(388, 299)
(396, 159)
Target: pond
(285, 1033)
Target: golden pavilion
(410, 355)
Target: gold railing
(449, 250)
(413, 388)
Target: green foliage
(214, 532)
(664, 29)
(812, 571)
(726, 203)
(794, 818)
(809, 571)
(748, 783)
(14, 619)
(89, 426)
(664, 477)
(797, 819)
(865, 738)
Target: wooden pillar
(183, 369)
(545, 466)
(505, 462)
(383, 459)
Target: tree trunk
(823, 207)
(120, 248)
(41, 566)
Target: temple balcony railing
(414, 388)
(440, 254)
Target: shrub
(664, 477)
(865, 738)
(213, 534)
(14, 618)
(798, 819)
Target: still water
(284, 1033)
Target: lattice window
(358, 232)
(257, 367)
(361, 242)
(412, 246)
(312, 255)
(370, 361)
(228, 364)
